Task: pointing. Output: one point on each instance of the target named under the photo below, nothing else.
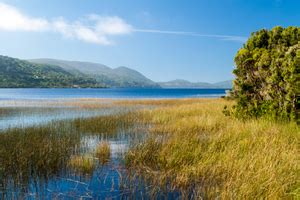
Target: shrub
(267, 75)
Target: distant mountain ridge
(180, 83)
(52, 73)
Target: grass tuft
(83, 164)
(103, 152)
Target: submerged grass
(103, 152)
(40, 152)
(82, 163)
(27, 154)
(194, 147)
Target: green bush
(267, 75)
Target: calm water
(109, 93)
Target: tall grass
(26, 154)
(83, 164)
(103, 152)
(109, 124)
(42, 151)
(194, 147)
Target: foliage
(268, 75)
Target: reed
(82, 163)
(109, 124)
(44, 151)
(26, 154)
(103, 152)
(194, 147)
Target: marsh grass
(191, 147)
(103, 152)
(43, 151)
(106, 124)
(27, 155)
(194, 147)
(83, 164)
(161, 102)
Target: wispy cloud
(185, 33)
(92, 28)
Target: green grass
(194, 147)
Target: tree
(268, 75)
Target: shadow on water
(73, 158)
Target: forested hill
(118, 77)
(50, 73)
(15, 73)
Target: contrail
(184, 33)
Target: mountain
(118, 77)
(179, 83)
(16, 73)
(51, 73)
(224, 84)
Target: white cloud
(12, 19)
(99, 32)
(93, 28)
(79, 31)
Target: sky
(165, 40)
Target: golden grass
(195, 147)
(108, 124)
(89, 103)
(83, 164)
(160, 102)
(103, 152)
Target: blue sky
(194, 40)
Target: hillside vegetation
(118, 77)
(15, 73)
(49, 73)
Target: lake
(119, 93)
